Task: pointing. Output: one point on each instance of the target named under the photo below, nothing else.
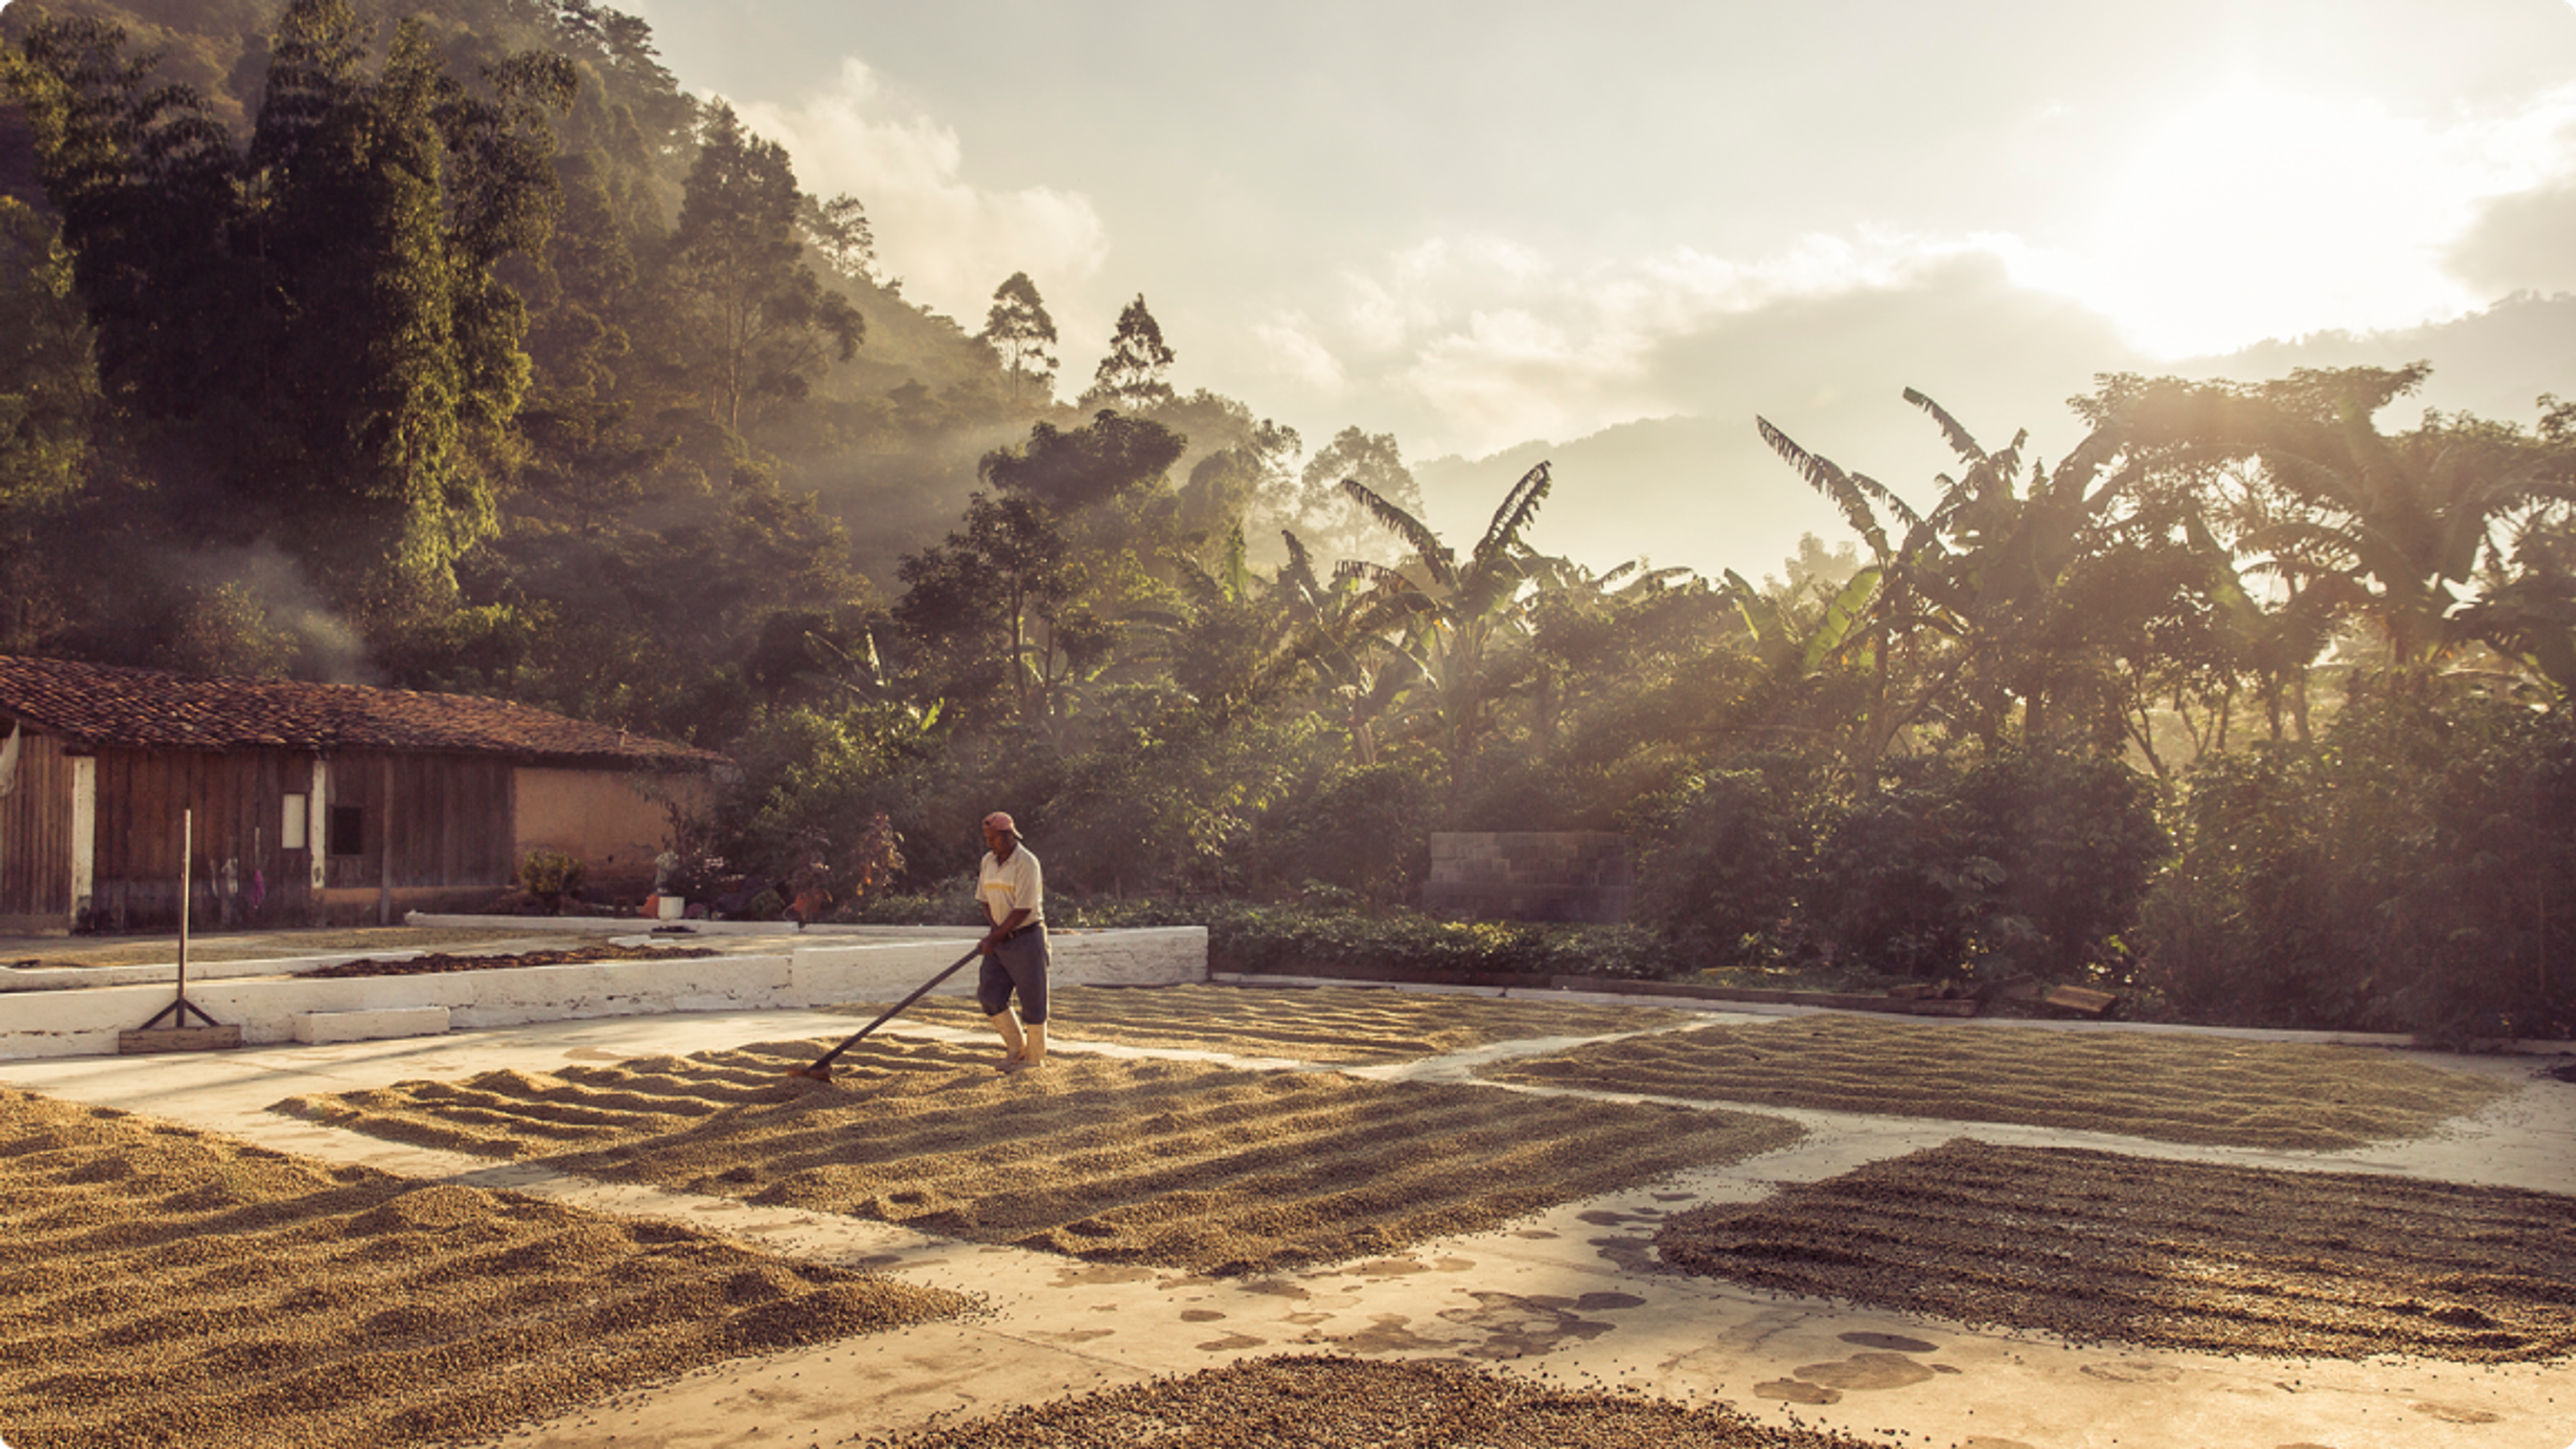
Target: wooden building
(312, 803)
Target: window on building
(290, 830)
(348, 830)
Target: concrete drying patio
(1574, 1294)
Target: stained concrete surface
(1574, 1295)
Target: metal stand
(178, 1036)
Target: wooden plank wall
(441, 820)
(36, 832)
(446, 819)
(242, 877)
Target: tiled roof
(96, 705)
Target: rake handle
(897, 1009)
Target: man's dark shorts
(1018, 964)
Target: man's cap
(1001, 821)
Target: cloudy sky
(1482, 225)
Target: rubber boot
(1037, 1044)
(1016, 1046)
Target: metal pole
(187, 848)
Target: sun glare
(2254, 213)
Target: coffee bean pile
(1179, 1164)
(2105, 1248)
(1338, 1403)
(2171, 1088)
(161, 1286)
(1331, 1024)
(436, 963)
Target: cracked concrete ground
(1574, 1295)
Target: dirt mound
(2172, 1088)
(164, 1286)
(1331, 1025)
(1174, 1163)
(2100, 1247)
(1327, 1403)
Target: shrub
(2079, 842)
(550, 875)
(1282, 938)
(1366, 832)
(2411, 871)
(1722, 855)
(1244, 937)
(2028, 861)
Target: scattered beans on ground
(2102, 1247)
(2171, 1088)
(1180, 1164)
(1325, 1025)
(163, 1286)
(1329, 1403)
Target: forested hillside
(458, 348)
(462, 349)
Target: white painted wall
(85, 1021)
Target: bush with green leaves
(2029, 861)
(550, 875)
(2413, 870)
(1905, 873)
(1366, 832)
(1721, 857)
(1244, 937)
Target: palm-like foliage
(2393, 528)
(1894, 603)
(1449, 618)
(1335, 629)
(1964, 612)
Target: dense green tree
(1031, 583)
(2408, 870)
(1328, 516)
(314, 324)
(49, 393)
(1022, 335)
(2394, 528)
(1068, 470)
(398, 364)
(1136, 372)
(1458, 617)
(1990, 616)
(838, 230)
(763, 324)
(1889, 621)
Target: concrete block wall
(85, 1021)
(1500, 875)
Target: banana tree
(1450, 619)
(1334, 629)
(2397, 527)
(1896, 603)
(1965, 616)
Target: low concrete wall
(85, 1020)
(321, 1028)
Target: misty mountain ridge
(1700, 490)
